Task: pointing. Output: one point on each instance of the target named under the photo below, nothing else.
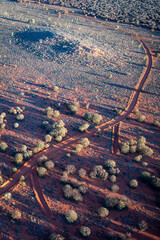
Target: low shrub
(84, 127)
(70, 169)
(103, 212)
(18, 158)
(56, 89)
(55, 236)
(147, 151)
(113, 178)
(99, 172)
(82, 172)
(16, 125)
(121, 205)
(83, 189)
(145, 175)
(64, 177)
(49, 165)
(156, 123)
(77, 196)
(93, 117)
(85, 231)
(48, 138)
(111, 201)
(73, 107)
(142, 226)
(28, 154)
(14, 169)
(71, 216)
(23, 148)
(85, 142)
(138, 158)
(16, 214)
(40, 145)
(78, 148)
(20, 117)
(141, 118)
(12, 111)
(115, 188)
(68, 191)
(133, 183)
(155, 182)
(109, 163)
(42, 171)
(3, 146)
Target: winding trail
(115, 138)
(38, 193)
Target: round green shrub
(133, 183)
(82, 172)
(49, 165)
(71, 216)
(84, 127)
(3, 146)
(85, 142)
(141, 118)
(109, 163)
(85, 231)
(20, 117)
(16, 125)
(103, 212)
(42, 171)
(18, 158)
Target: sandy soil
(96, 64)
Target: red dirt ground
(34, 91)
